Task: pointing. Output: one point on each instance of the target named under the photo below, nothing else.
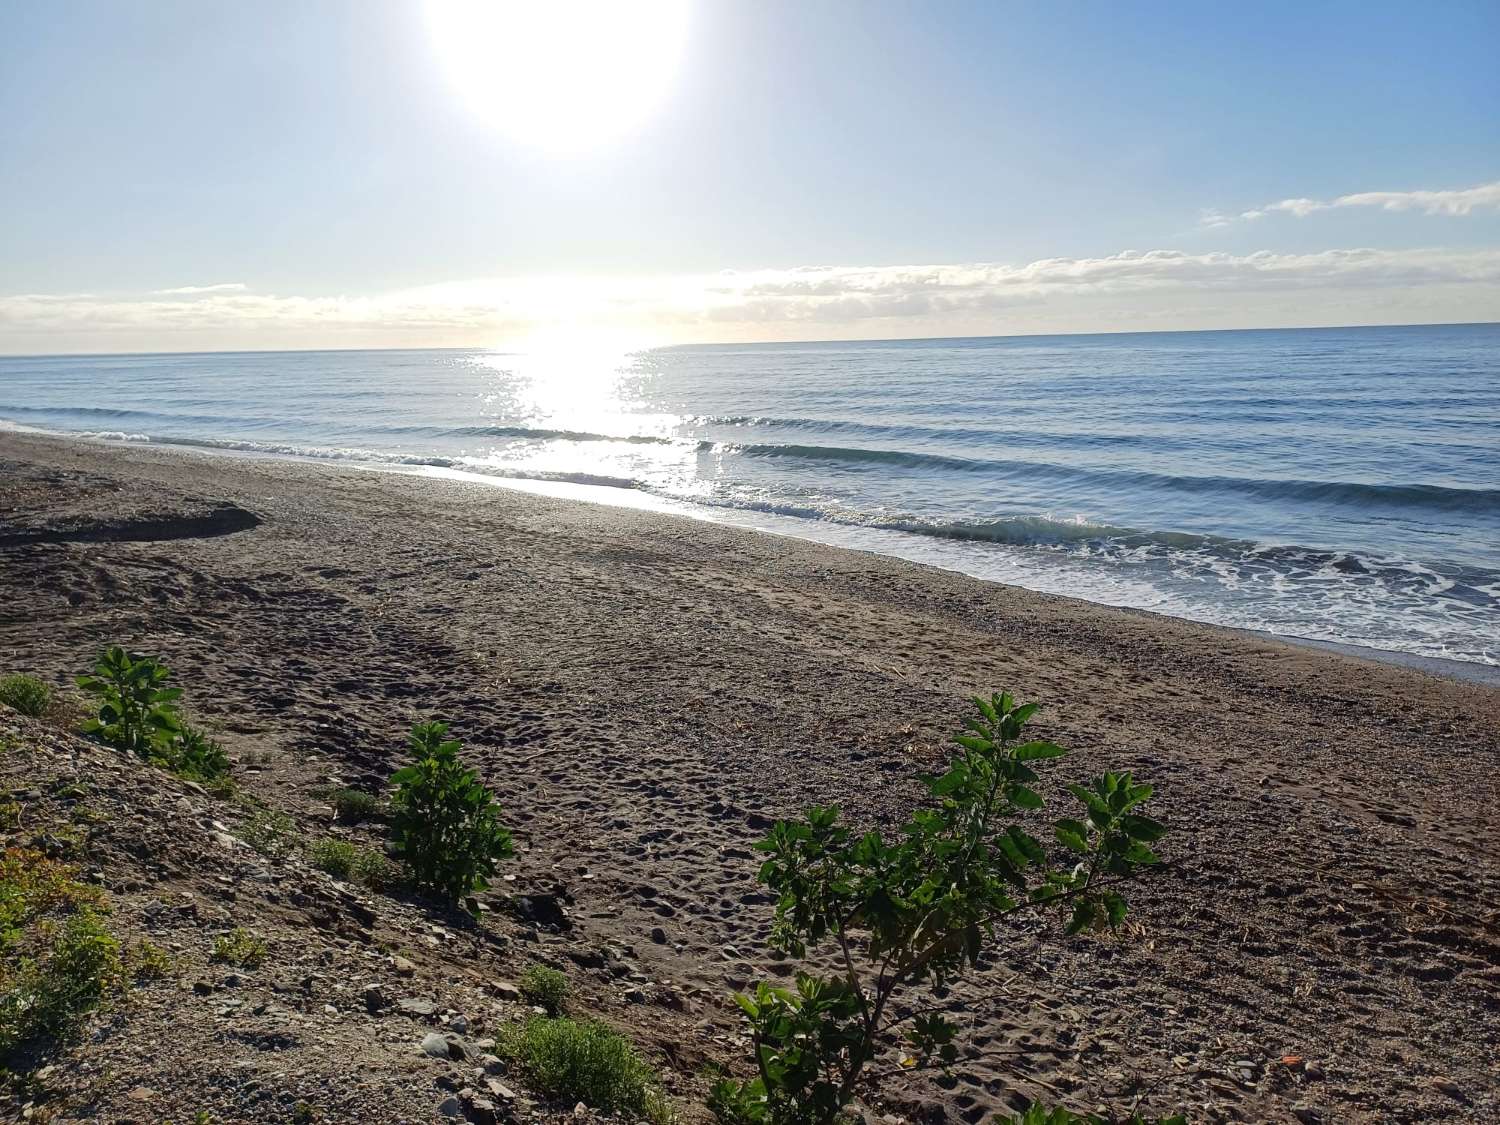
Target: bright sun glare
(560, 75)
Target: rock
(482, 1111)
(491, 1064)
(451, 1107)
(506, 991)
(460, 1024)
(500, 1090)
(1449, 1087)
(414, 1006)
(659, 935)
(587, 958)
(1307, 1113)
(375, 998)
(403, 967)
(435, 1045)
(141, 1094)
(634, 996)
(543, 910)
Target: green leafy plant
(918, 910)
(353, 806)
(137, 711)
(544, 987)
(240, 947)
(447, 824)
(588, 1062)
(26, 694)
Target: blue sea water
(1336, 484)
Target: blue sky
(865, 168)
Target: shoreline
(836, 537)
(647, 693)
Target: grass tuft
(26, 694)
(270, 832)
(58, 963)
(544, 987)
(344, 860)
(588, 1062)
(240, 947)
(353, 806)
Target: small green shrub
(371, 869)
(544, 987)
(918, 910)
(240, 947)
(333, 856)
(148, 961)
(137, 711)
(58, 963)
(352, 806)
(270, 832)
(26, 694)
(588, 1062)
(448, 829)
(344, 860)
(197, 757)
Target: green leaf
(1030, 751)
(1143, 828)
(1025, 798)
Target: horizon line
(499, 350)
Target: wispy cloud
(191, 290)
(1463, 201)
(1146, 289)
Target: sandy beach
(647, 693)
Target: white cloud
(1152, 289)
(1464, 201)
(189, 290)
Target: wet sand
(646, 692)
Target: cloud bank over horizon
(1153, 290)
(1456, 203)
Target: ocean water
(1335, 484)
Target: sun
(560, 75)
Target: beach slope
(646, 693)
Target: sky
(204, 175)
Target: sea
(1338, 485)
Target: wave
(540, 434)
(1431, 496)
